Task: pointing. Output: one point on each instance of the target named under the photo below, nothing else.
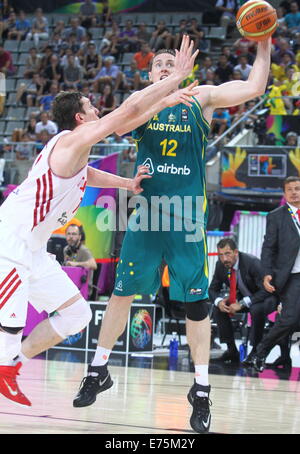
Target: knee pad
(10, 346)
(72, 319)
(196, 310)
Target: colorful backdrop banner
(117, 6)
(92, 207)
(281, 125)
(261, 168)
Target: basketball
(256, 20)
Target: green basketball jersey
(172, 144)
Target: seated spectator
(75, 253)
(6, 63)
(224, 70)
(33, 63)
(92, 61)
(56, 42)
(22, 27)
(242, 275)
(292, 19)
(87, 92)
(206, 66)
(142, 34)
(196, 33)
(9, 25)
(115, 139)
(65, 56)
(281, 20)
(227, 10)
(161, 37)
(232, 59)
(39, 28)
(47, 53)
(291, 139)
(143, 58)
(47, 100)
(243, 67)
(42, 139)
(127, 38)
(109, 73)
(45, 124)
(73, 74)
(106, 16)
(283, 48)
(74, 28)
(30, 128)
(5, 10)
(286, 5)
(107, 101)
(179, 31)
(220, 122)
(73, 43)
(244, 46)
(28, 93)
(132, 78)
(60, 28)
(54, 71)
(87, 14)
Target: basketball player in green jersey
(172, 144)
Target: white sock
(201, 377)
(101, 356)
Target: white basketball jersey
(44, 202)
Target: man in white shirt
(47, 124)
(243, 67)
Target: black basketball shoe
(92, 385)
(201, 417)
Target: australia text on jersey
(159, 213)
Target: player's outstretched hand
(185, 58)
(142, 174)
(182, 96)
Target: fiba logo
(141, 328)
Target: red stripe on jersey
(8, 277)
(50, 191)
(37, 202)
(44, 180)
(38, 159)
(16, 276)
(10, 293)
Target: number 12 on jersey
(169, 147)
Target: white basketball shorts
(27, 276)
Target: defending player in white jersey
(50, 197)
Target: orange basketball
(256, 20)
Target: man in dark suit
(243, 274)
(281, 264)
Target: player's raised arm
(236, 92)
(138, 108)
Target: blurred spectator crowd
(107, 60)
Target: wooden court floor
(148, 401)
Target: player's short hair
(161, 51)
(227, 242)
(290, 180)
(65, 106)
